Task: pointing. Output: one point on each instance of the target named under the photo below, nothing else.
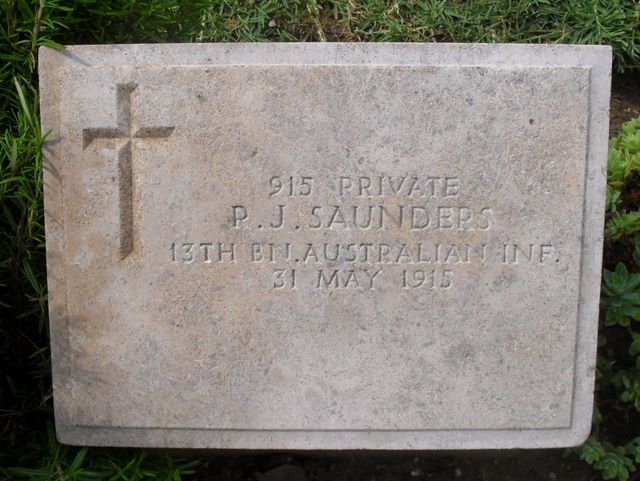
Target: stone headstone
(324, 246)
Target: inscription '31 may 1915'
(427, 212)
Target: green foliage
(621, 298)
(614, 197)
(624, 155)
(622, 224)
(631, 387)
(618, 368)
(52, 461)
(615, 462)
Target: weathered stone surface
(324, 246)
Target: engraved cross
(126, 130)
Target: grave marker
(324, 246)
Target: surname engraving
(426, 211)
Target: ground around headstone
(545, 465)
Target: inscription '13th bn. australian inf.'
(414, 232)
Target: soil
(625, 100)
(515, 465)
(524, 465)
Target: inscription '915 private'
(368, 187)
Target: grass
(612, 22)
(28, 449)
